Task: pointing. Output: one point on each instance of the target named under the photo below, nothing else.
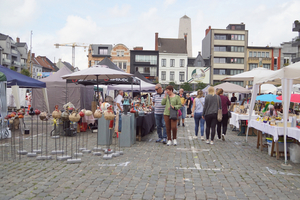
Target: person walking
(159, 114)
(183, 108)
(197, 113)
(233, 98)
(210, 111)
(173, 100)
(189, 104)
(225, 103)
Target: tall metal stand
(21, 139)
(37, 149)
(31, 154)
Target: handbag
(219, 115)
(229, 114)
(179, 113)
(173, 112)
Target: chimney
(207, 30)
(199, 52)
(18, 40)
(156, 41)
(33, 55)
(138, 48)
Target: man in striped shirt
(159, 114)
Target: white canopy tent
(248, 75)
(286, 77)
(230, 87)
(144, 87)
(268, 88)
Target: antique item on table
(31, 112)
(65, 115)
(104, 106)
(69, 106)
(74, 117)
(81, 114)
(88, 113)
(109, 115)
(43, 116)
(265, 119)
(98, 113)
(126, 105)
(56, 114)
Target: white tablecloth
(275, 131)
(234, 120)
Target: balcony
(296, 26)
(6, 61)
(256, 59)
(296, 41)
(14, 52)
(16, 63)
(296, 58)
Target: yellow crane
(73, 45)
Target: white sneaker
(169, 143)
(223, 137)
(207, 141)
(211, 142)
(202, 138)
(174, 142)
(195, 137)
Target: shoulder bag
(173, 112)
(219, 115)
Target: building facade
(145, 62)
(173, 60)
(296, 40)
(259, 57)
(13, 54)
(227, 51)
(185, 29)
(97, 52)
(198, 70)
(288, 53)
(120, 56)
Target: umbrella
(294, 98)
(268, 97)
(97, 72)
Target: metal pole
(73, 55)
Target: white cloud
(17, 13)
(120, 12)
(169, 2)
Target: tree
(25, 72)
(200, 86)
(13, 68)
(173, 84)
(186, 86)
(218, 83)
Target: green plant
(186, 86)
(13, 68)
(25, 72)
(200, 86)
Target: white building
(173, 59)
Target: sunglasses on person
(157, 88)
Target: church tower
(185, 28)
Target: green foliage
(173, 84)
(13, 68)
(200, 86)
(25, 72)
(218, 83)
(186, 86)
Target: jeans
(120, 122)
(160, 123)
(211, 121)
(183, 111)
(223, 124)
(198, 118)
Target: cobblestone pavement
(148, 170)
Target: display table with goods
(275, 129)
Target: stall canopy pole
(97, 92)
(66, 91)
(252, 102)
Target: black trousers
(223, 124)
(211, 121)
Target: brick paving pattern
(148, 170)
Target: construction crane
(73, 45)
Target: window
(258, 54)
(254, 54)
(199, 64)
(220, 48)
(120, 53)
(237, 49)
(163, 75)
(240, 83)
(237, 37)
(120, 65)
(172, 74)
(172, 62)
(267, 55)
(220, 71)
(146, 58)
(103, 51)
(163, 62)
(237, 60)
(220, 37)
(235, 71)
(286, 61)
(252, 66)
(267, 66)
(219, 60)
(181, 76)
(181, 62)
(262, 54)
(124, 66)
(250, 53)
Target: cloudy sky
(134, 22)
